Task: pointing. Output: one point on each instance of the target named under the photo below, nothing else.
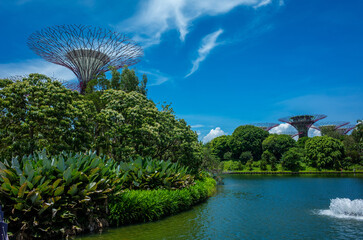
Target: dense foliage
(38, 113)
(61, 195)
(220, 146)
(278, 144)
(49, 197)
(247, 138)
(324, 152)
(141, 206)
(291, 160)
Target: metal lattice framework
(266, 126)
(302, 123)
(85, 50)
(332, 125)
(346, 129)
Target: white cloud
(36, 66)
(208, 43)
(197, 126)
(156, 77)
(213, 134)
(155, 17)
(285, 128)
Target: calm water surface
(262, 207)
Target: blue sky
(220, 63)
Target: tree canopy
(324, 152)
(278, 144)
(247, 138)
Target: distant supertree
(302, 123)
(85, 50)
(266, 126)
(346, 129)
(329, 126)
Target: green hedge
(137, 206)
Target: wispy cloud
(208, 43)
(213, 134)
(155, 77)
(197, 126)
(36, 66)
(155, 17)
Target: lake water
(264, 207)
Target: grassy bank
(136, 206)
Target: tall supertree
(85, 50)
(302, 123)
(346, 129)
(266, 126)
(329, 126)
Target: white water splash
(344, 208)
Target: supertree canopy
(346, 129)
(266, 126)
(85, 50)
(333, 126)
(302, 123)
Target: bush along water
(135, 206)
(62, 195)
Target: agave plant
(56, 196)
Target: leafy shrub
(267, 156)
(246, 156)
(58, 196)
(278, 144)
(232, 165)
(152, 174)
(227, 156)
(263, 165)
(137, 206)
(301, 142)
(249, 165)
(220, 146)
(324, 152)
(291, 159)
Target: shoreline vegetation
(295, 173)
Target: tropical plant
(324, 152)
(48, 197)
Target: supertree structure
(266, 126)
(302, 123)
(332, 126)
(85, 50)
(346, 129)
(290, 133)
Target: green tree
(247, 138)
(301, 142)
(291, 159)
(330, 131)
(38, 113)
(324, 152)
(278, 144)
(220, 145)
(245, 157)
